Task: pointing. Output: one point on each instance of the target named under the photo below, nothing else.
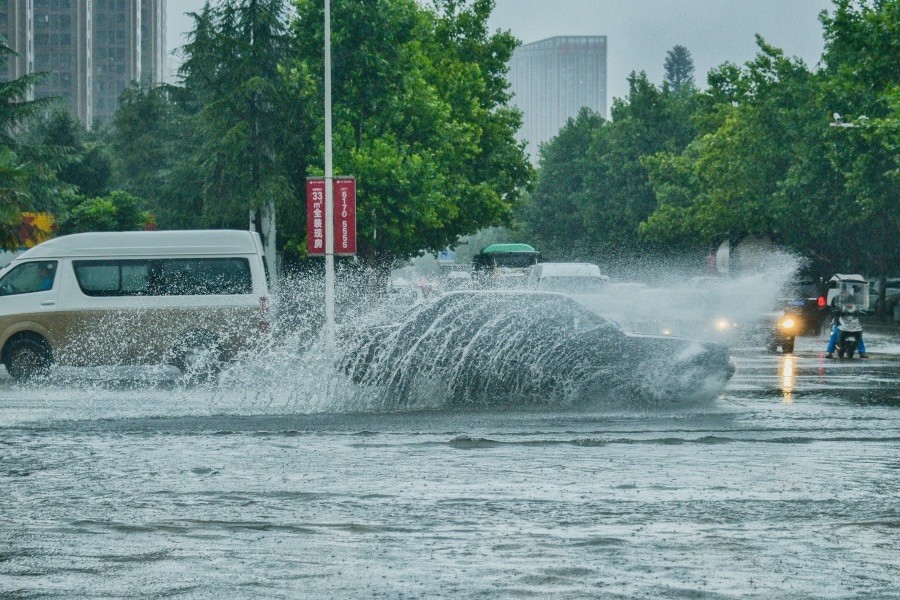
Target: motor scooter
(850, 334)
(848, 299)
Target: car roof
(495, 248)
(146, 243)
(842, 277)
(504, 292)
(568, 270)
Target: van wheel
(788, 347)
(27, 357)
(198, 356)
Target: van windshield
(164, 277)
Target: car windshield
(512, 260)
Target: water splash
(463, 367)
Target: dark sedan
(520, 348)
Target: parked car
(456, 280)
(520, 348)
(892, 293)
(192, 299)
(567, 277)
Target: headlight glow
(788, 324)
(722, 325)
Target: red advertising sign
(315, 217)
(344, 216)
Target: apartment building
(90, 50)
(553, 79)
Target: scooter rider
(845, 297)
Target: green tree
(420, 118)
(19, 175)
(154, 148)
(119, 211)
(727, 182)
(862, 57)
(553, 215)
(679, 70)
(13, 198)
(768, 162)
(80, 158)
(245, 125)
(605, 191)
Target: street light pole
(329, 187)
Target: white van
(567, 277)
(191, 299)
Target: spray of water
(465, 365)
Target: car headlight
(724, 324)
(788, 323)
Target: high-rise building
(90, 49)
(552, 80)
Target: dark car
(804, 301)
(520, 348)
(781, 329)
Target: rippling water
(786, 486)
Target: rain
(633, 332)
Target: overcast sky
(640, 32)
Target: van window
(29, 278)
(203, 276)
(164, 277)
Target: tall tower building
(552, 80)
(90, 49)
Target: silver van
(567, 277)
(192, 299)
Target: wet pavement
(787, 486)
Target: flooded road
(784, 487)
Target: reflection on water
(787, 378)
(231, 490)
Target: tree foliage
(27, 172)
(592, 177)
(774, 164)
(243, 130)
(727, 181)
(81, 158)
(862, 82)
(757, 153)
(119, 211)
(679, 70)
(420, 117)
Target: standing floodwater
(785, 486)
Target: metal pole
(329, 186)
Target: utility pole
(329, 188)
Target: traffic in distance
(702, 307)
(510, 325)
